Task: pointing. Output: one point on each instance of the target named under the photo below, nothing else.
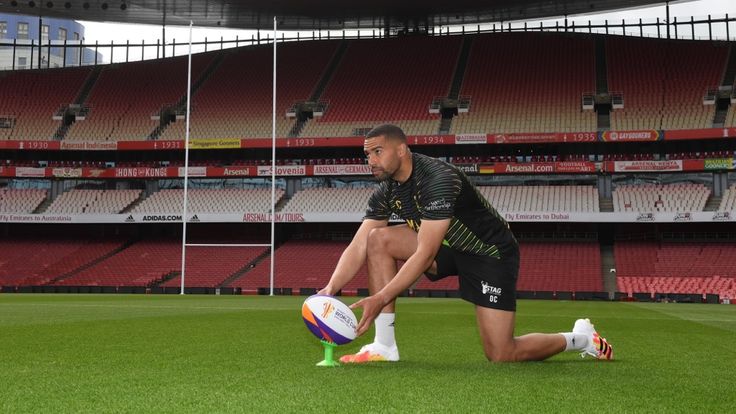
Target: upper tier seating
(236, 100)
(359, 128)
(33, 97)
(663, 82)
(535, 88)
(20, 201)
(125, 97)
(512, 89)
(649, 198)
(388, 80)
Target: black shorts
(484, 280)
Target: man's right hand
(327, 291)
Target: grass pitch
(174, 354)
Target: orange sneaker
(597, 347)
(374, 352)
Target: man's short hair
(387, 130)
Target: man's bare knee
(379, 240)
(497, 330)
(501, 355)
(506, 353)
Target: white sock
(385, 329)
(575, 341)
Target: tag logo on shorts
(492, 291)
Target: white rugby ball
(329, 319)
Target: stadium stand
(141, 264)
(398, 87)
(93, 201)
(698, 155)
(731, 116)
(210, 266)
(728, 201)
(322, 256)
(27, 262)
(477, 159)
(328, 200)
(20, 201)
(454, 159)
(724, 287)
(30, 99)
(546, 266)
(663, 85)
(201, 200)
(125, 97)
(631, 157)
(503, 198)
(679, 197)
(663, 82)
(676, 267)
(542, 198)
(537, 88)
(236, 101)
(558, 266)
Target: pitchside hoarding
(354, 217)
(357, 142)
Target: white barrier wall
(299, 217)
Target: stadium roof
(311, 15)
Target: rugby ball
(329, 319)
